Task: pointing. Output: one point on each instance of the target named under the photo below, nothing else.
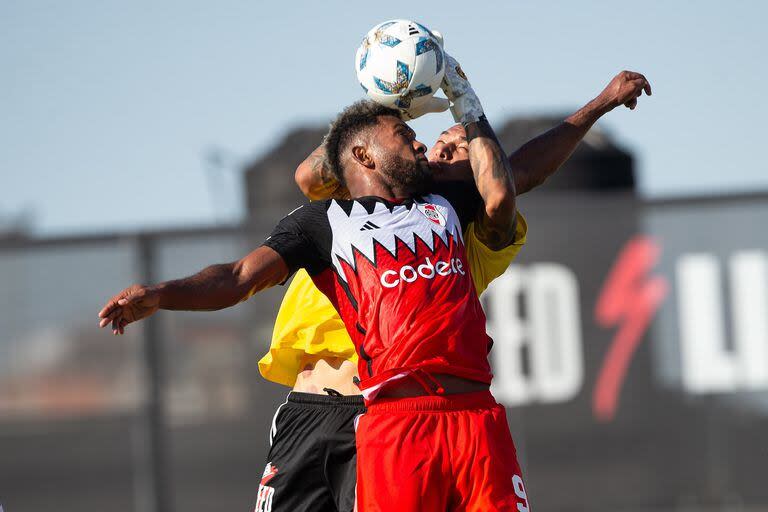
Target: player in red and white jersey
(379, 260)
(392, 261)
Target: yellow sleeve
(306, 324)
(487, 264)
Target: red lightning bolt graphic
(629, 300)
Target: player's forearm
(494, 180)
(539, 158)
(314, 177)
(491, 170)
(215, 287)
(223, 285)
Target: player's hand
(132, 304)
(466, 106)
(625, 89)
(432, 105)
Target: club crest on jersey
(431, 212)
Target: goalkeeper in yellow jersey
(311, 462)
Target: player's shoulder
(308, 209)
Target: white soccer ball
(400, 64)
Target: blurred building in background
(631, 349)
(597, 164)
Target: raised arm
(215, 287)
(492, 172)
(540, 157)
(491, 169)
(315, 179)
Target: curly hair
(347, 125)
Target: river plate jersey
(308, 327)
(397, 273)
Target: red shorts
(437, 453)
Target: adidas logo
(369, 225)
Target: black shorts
(311, 464)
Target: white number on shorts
(517, 482)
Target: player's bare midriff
(335, 373)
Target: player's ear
(363, 156)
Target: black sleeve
(302, 238)
(464, 198)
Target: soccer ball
(400, 64)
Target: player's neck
(377, 188)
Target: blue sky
(107, 109)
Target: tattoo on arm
(320, 169)
(328, 185)
(493, 177)
(494, 237)
(498, 161)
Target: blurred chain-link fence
(77, 405)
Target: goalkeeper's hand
(432, 105)
(466, 106)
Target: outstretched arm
(540, 157)
(215, 287)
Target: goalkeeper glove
(431, 105)
(466, 106)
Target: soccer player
(311, 463)
(393, 263)
(312, 458)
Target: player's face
(451, 147)
(400, 157)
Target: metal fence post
(153, 490)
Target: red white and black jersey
(398, 275)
